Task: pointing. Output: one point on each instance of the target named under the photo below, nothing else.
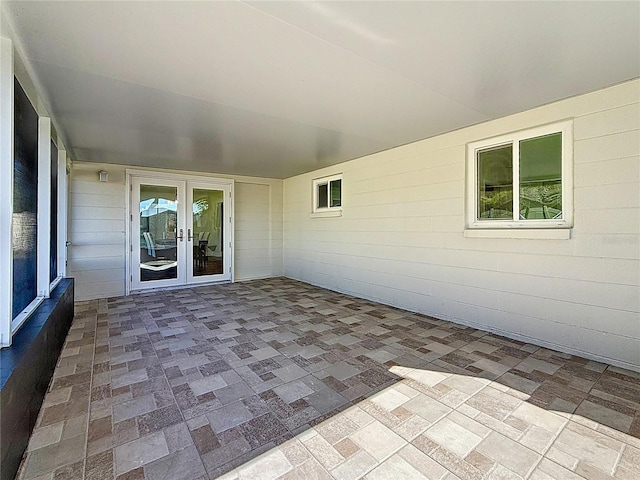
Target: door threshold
(177, 287)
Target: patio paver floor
(277, 379)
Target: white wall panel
(258, 226)
(618, 170)
(607, 122)
(620, 221)
(400, 239)
(609, 147)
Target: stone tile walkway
(277, 379)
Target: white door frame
(225, 243)
(180, 229)
(200, 181)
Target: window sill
(527, 234)
(328, 213)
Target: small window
(327, 194)
(521, 180)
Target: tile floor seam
(537, 463)
(617, 464)
(442, 463)
(345, 460)
(542, 455)
(555, 439)
(604, 432)
(93, 356)
(575, 474)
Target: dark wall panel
(27, 367)
(25, 200)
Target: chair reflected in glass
(200, 253)
(158, 260)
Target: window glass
(541, 177)
(336, 193)
(53, 241)
(495, 183)
(25, 201)
(323, 195)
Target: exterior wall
(258, 227)
(97, 226)
(401, 237)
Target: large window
(25, 202)
(521, 180)
(32, 211)
(327, 195)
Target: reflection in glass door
(157, 240)
(158, 237)
(208, 251)
(207, 231)
(180, 232)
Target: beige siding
(97, 229)
(258, 240)
(401, 237)
(96, 232)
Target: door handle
(189, 236)
(181, 236)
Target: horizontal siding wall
(401, 238)
(258, 226)
(97, 229)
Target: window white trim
(24, 315)
(6, 189)
(44, 206)
(62, 213)
(566, 222)
(521, 233)
(328, 211)
(44, 223)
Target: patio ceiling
(280, 88)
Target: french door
(180, 231)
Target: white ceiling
(279, 88)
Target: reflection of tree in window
(200, 206)
(495, 183)
(336, 194)
(541, 177)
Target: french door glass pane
(495, 183)
(207, 232)
(541, 177)
(158, 242)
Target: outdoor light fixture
(104, 176)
